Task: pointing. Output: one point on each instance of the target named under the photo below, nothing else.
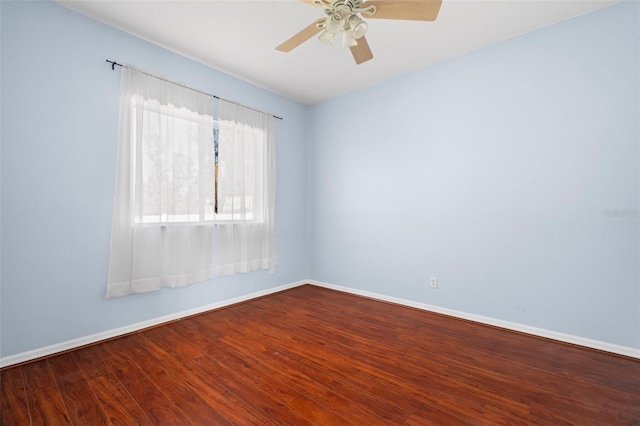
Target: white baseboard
(110, 334)
(567, 338)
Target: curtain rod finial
(113, 64)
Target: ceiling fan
(345, 16)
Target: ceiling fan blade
(361, 52)
(410, 10)
(301, 37)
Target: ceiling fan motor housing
(343, 15)
(351, 4)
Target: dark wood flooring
(316, 356)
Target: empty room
(320, 212)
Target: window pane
(176, 165)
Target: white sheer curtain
(162, 232)
(246, 190)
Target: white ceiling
(239, 37)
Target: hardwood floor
(316, 356)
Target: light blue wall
(59, 129)
(493, 172)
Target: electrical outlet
(434, 282)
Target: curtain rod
(114, 64)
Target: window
(240, 172)
(179, 173)
(175, 174)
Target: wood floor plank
(227, 371)
(90, 362)
(117, 403)
(252, 368)
(176, 387)
(438, 419)
(261, 401)
(82, 404)
(316, 413)
(309, 355)
(236, 410)
(14, 406)
(46, 405)
(156, 405)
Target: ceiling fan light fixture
(348, 40)
(333, 24)
(358, 26)
(326, 37)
